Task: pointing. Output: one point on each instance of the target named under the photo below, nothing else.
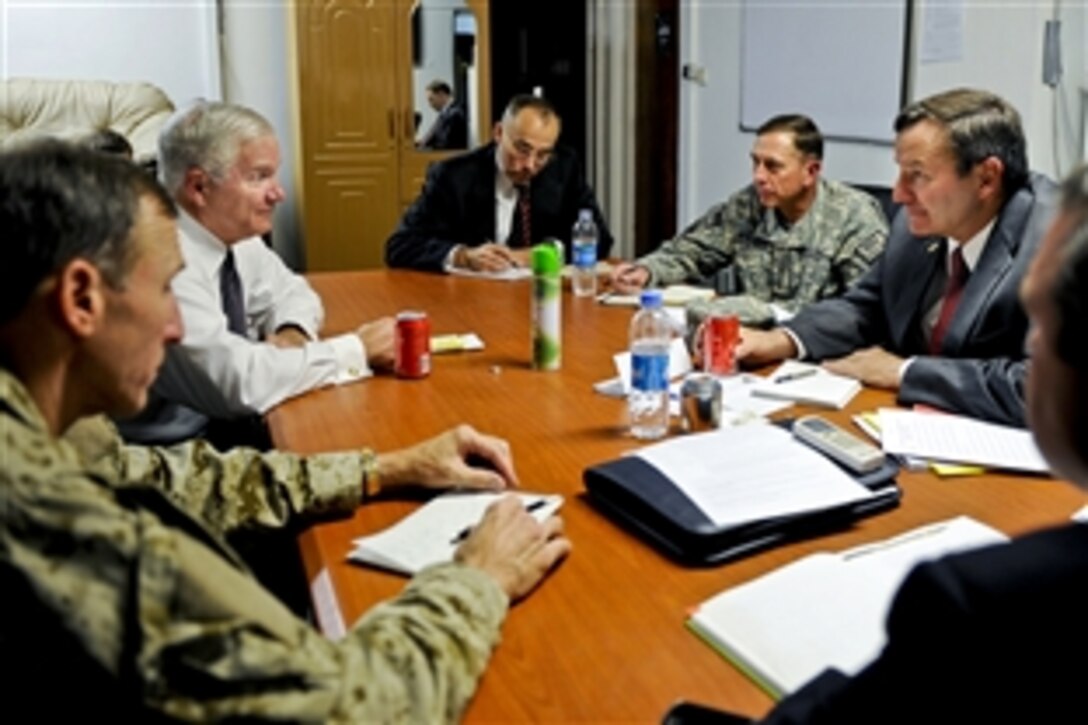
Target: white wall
(172, 45)
(1002, 52)
(177, 45)
(258, 72)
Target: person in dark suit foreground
(483, 209)
(993, 635)
(937, 316)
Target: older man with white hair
(251, 324)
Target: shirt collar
(15, 396)
(972, 248)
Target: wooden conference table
(603, 638)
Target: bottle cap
(650, 298)
(585, 215)
(546, 260)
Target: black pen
(795, 376)
(463, 534)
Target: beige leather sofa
(73, 109)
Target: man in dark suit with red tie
(937, 316)
(992, 635)
(483, 209)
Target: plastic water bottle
(584, 248)
(648, 401)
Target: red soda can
(412, 345)
(721, 334)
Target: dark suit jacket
(450, 131)
(980, 371)
(988, 636)
(457, 206)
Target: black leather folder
(641, 498)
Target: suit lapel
(992, 269)
(907, 301)
(481, 194)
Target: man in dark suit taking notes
(937, 316)
(482, 210)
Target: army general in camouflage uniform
(119, 596)
(789, 238)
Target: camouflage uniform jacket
(820, 256)
(118, 597)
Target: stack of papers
(740, 475)
(957, 438)
(869, 421)
(432, 533)
(810, 384)
(825, 610)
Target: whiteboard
(173, 44)
(841, 62)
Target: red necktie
(521, 237)
(953, 290)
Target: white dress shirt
(506, 198)
(972, 250)
(252, 375)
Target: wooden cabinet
(358, 163)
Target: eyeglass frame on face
(524, 150)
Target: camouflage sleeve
(751, 311)
(184, 632)
(415, 658)
(227, 491)
(863, 242)
(706, 246)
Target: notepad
(675, 295)
(809, 384)
(432, 533)
(825, 610)
(456, 343)
(510, 274)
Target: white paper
(958, 439)
(819, 387)
(942, 31)
(827, 610)
(737, 475)
(674, 295)
(510, 274)
(431, 533)
(466, 342)
(737, 396)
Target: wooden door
(350, 129)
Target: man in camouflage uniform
(119, 595)
(787, 239)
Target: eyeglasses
(525, 150)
